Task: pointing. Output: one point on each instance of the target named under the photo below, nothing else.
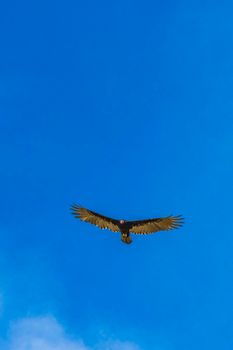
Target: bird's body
(124, 227)
(127, 227)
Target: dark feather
(155, 225)
(101, 221)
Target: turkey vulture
(127, 227)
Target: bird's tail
(126, 238)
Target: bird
(127, 227)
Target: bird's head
(122, 222)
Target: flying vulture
(127, 227)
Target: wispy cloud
(45, 333)
(117, 345)
(41, 333)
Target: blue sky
(125, 107)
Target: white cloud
(45, 333)
(41, 333)
(117, 345)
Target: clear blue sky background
(127, 108)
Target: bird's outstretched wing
(155, 225)
(101, 221)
